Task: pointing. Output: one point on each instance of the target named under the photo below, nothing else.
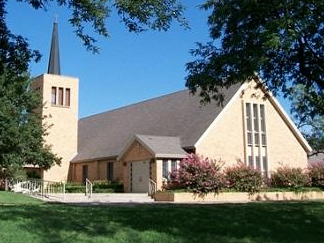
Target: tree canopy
(280, 41)
(137, 15)
(21, 131)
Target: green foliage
(101, 186)
(107, 186)
(286, 176)
(73, 187)
(22, 134)
(278, 222)
(10, 198)
(279, 40)
(316, 174)
(310, 123)
(33, 175)
(243, 178)
(136, 15)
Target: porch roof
(161, 146)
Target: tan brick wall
(97, 170)
(283, 146)
(158, 178)
(225, 138)
(63, 122)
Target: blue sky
(130, 67)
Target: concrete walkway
(98, 198)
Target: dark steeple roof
(54, 59)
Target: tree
(311, 126)
(137, 15)
(21, 130)
(279, 40)
(21, 133)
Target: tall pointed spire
(54, 59)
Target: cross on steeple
(54, 59)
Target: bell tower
(60, 111)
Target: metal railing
(88, 192)
(35, 187)
(152, 187)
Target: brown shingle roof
(162, 146)
(176, 115)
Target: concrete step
(98, 198)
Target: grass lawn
(32, 221)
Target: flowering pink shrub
(199, 174)
(243, 178)
(286, 176)
(316, 174)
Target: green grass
(253, 222)
(8, 198)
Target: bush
(243, 178)
(198, 174)
(107, 186)
(289, 177)
(73, 187)
(98, 187)
(316, 174)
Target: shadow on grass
(254, 222)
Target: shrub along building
(145, 141)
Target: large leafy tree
(312, 126)
(279, 40)
(21, 130)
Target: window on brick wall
(53, 98)
(60, 96)
(165, 169)
(110, 171)
(67, 97)
(255, 133)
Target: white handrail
(88, 192)
(36, 187)
(152, 187)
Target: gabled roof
(159, 146)
(175, 115)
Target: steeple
(54, 59)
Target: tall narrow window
(165, 170)
(265, 164)
(256, 148)
(60, 96)
(54, 95)
(257, 162)
(250, 158)
(84, 172)
(248, 123)
(67, 97)
(110, 171)
(263, 127)
(173, 165)
(256, 124)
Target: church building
(142, 143)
